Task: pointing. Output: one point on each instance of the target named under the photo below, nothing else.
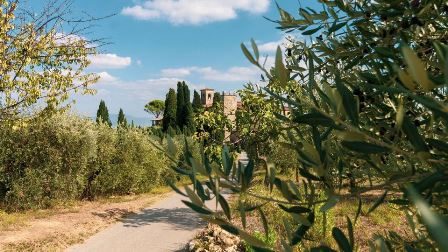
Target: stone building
(207, 95)
(230, 104)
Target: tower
(230, 106)
(207, 97)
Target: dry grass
(385, 217)
(57, 228)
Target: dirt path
(55, 230)
(167, 225)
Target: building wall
(230, 103)
(207, 97)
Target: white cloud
(140, 13)
(176, 72)
(195, 11)
(147, 89)
(109, 61)
(271, 47)
(233, 74)
(106, 77)
(64, 38)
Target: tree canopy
(197, 104)
(169, 114)
(366, 85)
(102, 114)
(42, 60)
(122, 122)
(155, 107)
(184, 113)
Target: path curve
(165, 226)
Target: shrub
(367, 94)
(135, 166)
(65, 157)
(46, 161)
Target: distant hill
(138, 121)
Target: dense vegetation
(66, 158)
(367, 92)
(43, 59)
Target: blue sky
(156, 43)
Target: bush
(45, 161)
(136, 166)
(367, 91)
(66, 157)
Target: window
(209, 96)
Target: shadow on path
(180, 218)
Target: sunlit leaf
(364, 147)
(378, 202)
(417, 69)
(331, 202)
(197, 208)
(341, 240)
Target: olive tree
(42, 58)
(367, 91)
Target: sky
(153, 44)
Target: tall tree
(377, 111)
(197, 104)
(102, 115)
(169, 115)
(188, 126)
(217, 99)
(180, 120)
(122, 119)
(40, 62)
(155, 107)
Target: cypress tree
(122, 119)
(217, 99)
(102, 115)
(187, 111)
(180, 119)
(197, 104)
(169, 115)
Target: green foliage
(65, 157)
(122, 122)
(188, 112)
(132, 164)
(180, 105)
(41, 61)
(184, 112)
(256, 121)
(169, 115)
(197, 104)
(271, 239)
(217, 100)
(102, 114)
(210, 126)
(155, 107)
(367, 94)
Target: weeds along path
(165, 226)
(56, 229)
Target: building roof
(207, 89)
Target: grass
(386, 217)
